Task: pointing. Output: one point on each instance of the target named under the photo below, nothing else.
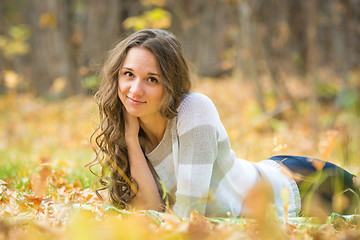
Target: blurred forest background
(59, 43)
(283, 74)
(299, 60)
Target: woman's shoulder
(197, 105)
(196, 100)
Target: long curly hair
(109, 137)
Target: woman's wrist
(132, 140)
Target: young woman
(155, 135)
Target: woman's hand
(132, 126)
(147, 196)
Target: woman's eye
(128, 74)
(153, 80)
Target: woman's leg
(329, 185)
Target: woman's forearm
(148, 196)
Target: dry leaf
(340, 202)
(290, 174)
(356, 181)
(58, 85)
(278, 147)
(11, 79)
(318, 164)
(47, 20)
(327, 145)
(285, 195)
(3, 183)
(257, 202)
(199, 227)
(39, 181)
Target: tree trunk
(203, 27)
(52, 61)
(99, 30)
(274, 17)
(248, 50)
(2, 28)
(310, 8)
(2, 32)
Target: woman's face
(140, 88)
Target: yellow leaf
(47, 20)
(62, 163)
(257, 201)
(199, 227)
(318, 164)
(285, 194)
(39, 181)
(15, 43)
(159, 3)
(11, 79)
(327, 145)
(159, 18)
(59, 84)
(23, 207)
(155, 18)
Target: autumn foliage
(46, 193)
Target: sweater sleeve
(198, 139)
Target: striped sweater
(199, 169)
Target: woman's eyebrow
(149, 73)
(127, 68)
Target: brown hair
(110, 134)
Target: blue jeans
(321, 182)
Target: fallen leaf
(318, 164)
(39, 181)
(3, 183)
(199, 227)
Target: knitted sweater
(199, 169)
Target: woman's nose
(136, 88)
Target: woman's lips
(135, 102)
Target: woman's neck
(154, 129)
